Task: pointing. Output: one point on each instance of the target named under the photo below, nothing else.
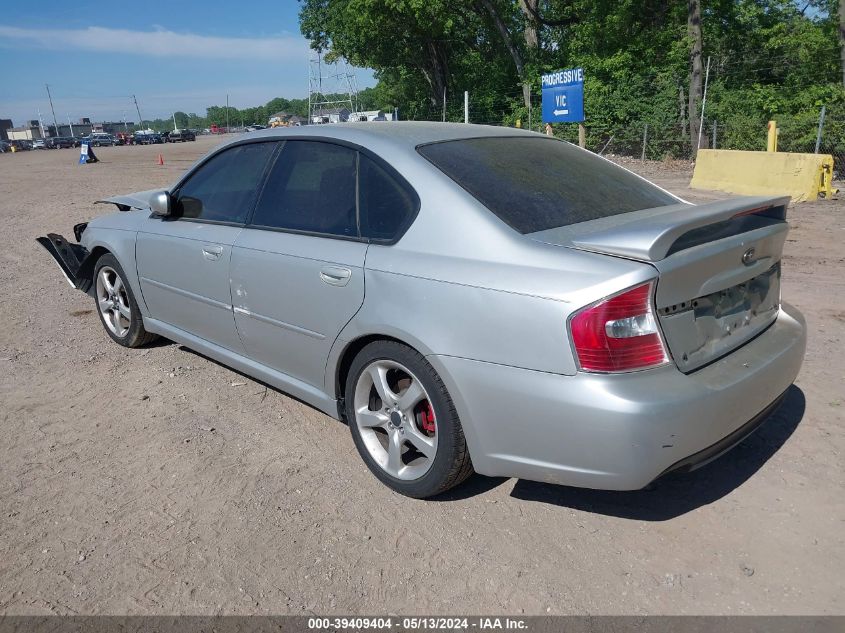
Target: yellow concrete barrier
(802, 176)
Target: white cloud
(158, 43)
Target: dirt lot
(115, 498)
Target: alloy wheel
(113, 302)
(395, 419)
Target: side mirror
(160, 204)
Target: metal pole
(125, 126)
(227, 113)
(645, 141)
(41, 123)
(444, 104)
(70, 125)
(55, 123)
(529, 109)
(715, 132)
(821, 129)
(703, 103)
(138, 110)
(466, 106)
(173, 114)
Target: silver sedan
(467, 298)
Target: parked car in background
(531, 309)
(21, 145)
(61, 142)
(181, 136)
(100, 139)
(4, 147)
(39, 143)
(147, 138)
(255, 127)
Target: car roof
(404, 135)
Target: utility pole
(821, 129)
(174, 120)
(55, 123)
(138, 110)
(466, 106)
(125, 127)
(227, 113)
(70, 125)
(40, 123)
(529, 103)
(703, 104)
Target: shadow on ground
(669, 497)
(677, 494)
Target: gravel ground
(155, 481)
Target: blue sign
(563, 96)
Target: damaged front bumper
(73, 260)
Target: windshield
(535, 184)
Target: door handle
(335, 275)
(212, 252)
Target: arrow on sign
(560, 112)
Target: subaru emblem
(748, 257)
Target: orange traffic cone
(160, 159)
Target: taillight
(619, 333)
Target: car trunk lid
(718, 263)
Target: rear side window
(311, 188)
(224, 189)
(385, 204)
(535, 184)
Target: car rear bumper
(620, 431)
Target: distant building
(371, 115)
(279, 117)
(331, 115)
(5, 125)
(25, 132)
(85, 127)
(285, 118)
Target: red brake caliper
(427, 421)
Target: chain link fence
(655, 136)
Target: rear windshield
(535, 184)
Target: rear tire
(403, 421)
(116, 304)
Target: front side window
(311, 188)
(224, 189)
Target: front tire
(403, 421)
(117, 306)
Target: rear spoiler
(654, 234)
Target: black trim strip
(703, 457)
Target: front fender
(121, 244)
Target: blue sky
(177, 55)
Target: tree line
(645, 61)
(235, 117)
